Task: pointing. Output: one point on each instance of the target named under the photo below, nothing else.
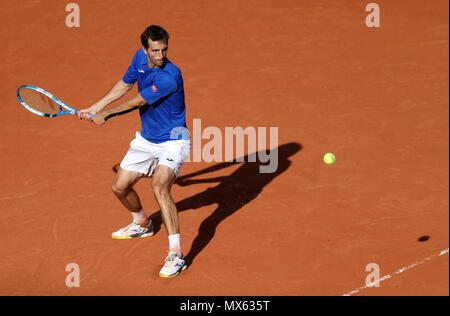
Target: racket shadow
(231, 194)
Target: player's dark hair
(155, 33)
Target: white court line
(404, 269)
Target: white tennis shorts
(143, 156)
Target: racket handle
(90, 115)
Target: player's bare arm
(126, 106)
(119, 89)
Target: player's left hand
(99, 118)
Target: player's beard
(157, 63)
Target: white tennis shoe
(134, 230)
(173, 265)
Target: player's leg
(139, 161)
(163, 179)
(170, 160)
(122, 187)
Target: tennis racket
(43, 103)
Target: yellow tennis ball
(329, 158)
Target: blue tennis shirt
(163, 90)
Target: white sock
(174, 243)
(140, 216)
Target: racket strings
(39, 101)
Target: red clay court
(376, 97)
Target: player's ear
(145, 50)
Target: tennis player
(155, 151)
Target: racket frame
(61, 104)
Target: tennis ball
(329, 158)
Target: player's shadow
(231, 194)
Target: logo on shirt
(141, 71)
(154, 88)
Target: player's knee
(160, 190)
(118, 191)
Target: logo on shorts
(168, 159)
(154, 88)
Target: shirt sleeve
(131, 74)
(162, 87)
